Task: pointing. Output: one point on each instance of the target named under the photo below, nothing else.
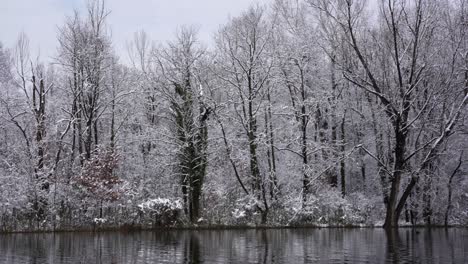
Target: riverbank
(215, 227)
(167, 214)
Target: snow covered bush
(97, 178)
(369, 210)
(330, 208)
(218, 204)
(160, 211)
(246, 211)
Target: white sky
(39, 19)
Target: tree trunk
(342, 162)
(393, 212)
(427, 197)
(271, 158)
(252, 137)
(449, 188)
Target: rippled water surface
(240, 246)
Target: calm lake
(332, 245)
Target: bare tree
(397, 77)
(246, 69)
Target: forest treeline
(302, 112)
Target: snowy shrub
(99, 221)
(368, 209)
(218, 204)
(330, 208)
(246, 210)
(284, 209)
(97, 177)
(160, 211)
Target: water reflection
(192, 255)
(240, 246)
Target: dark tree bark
(449, 188)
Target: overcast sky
(39, 19)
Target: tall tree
(180, 84)
(242, 47)
(395, 65)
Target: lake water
(332, 245)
